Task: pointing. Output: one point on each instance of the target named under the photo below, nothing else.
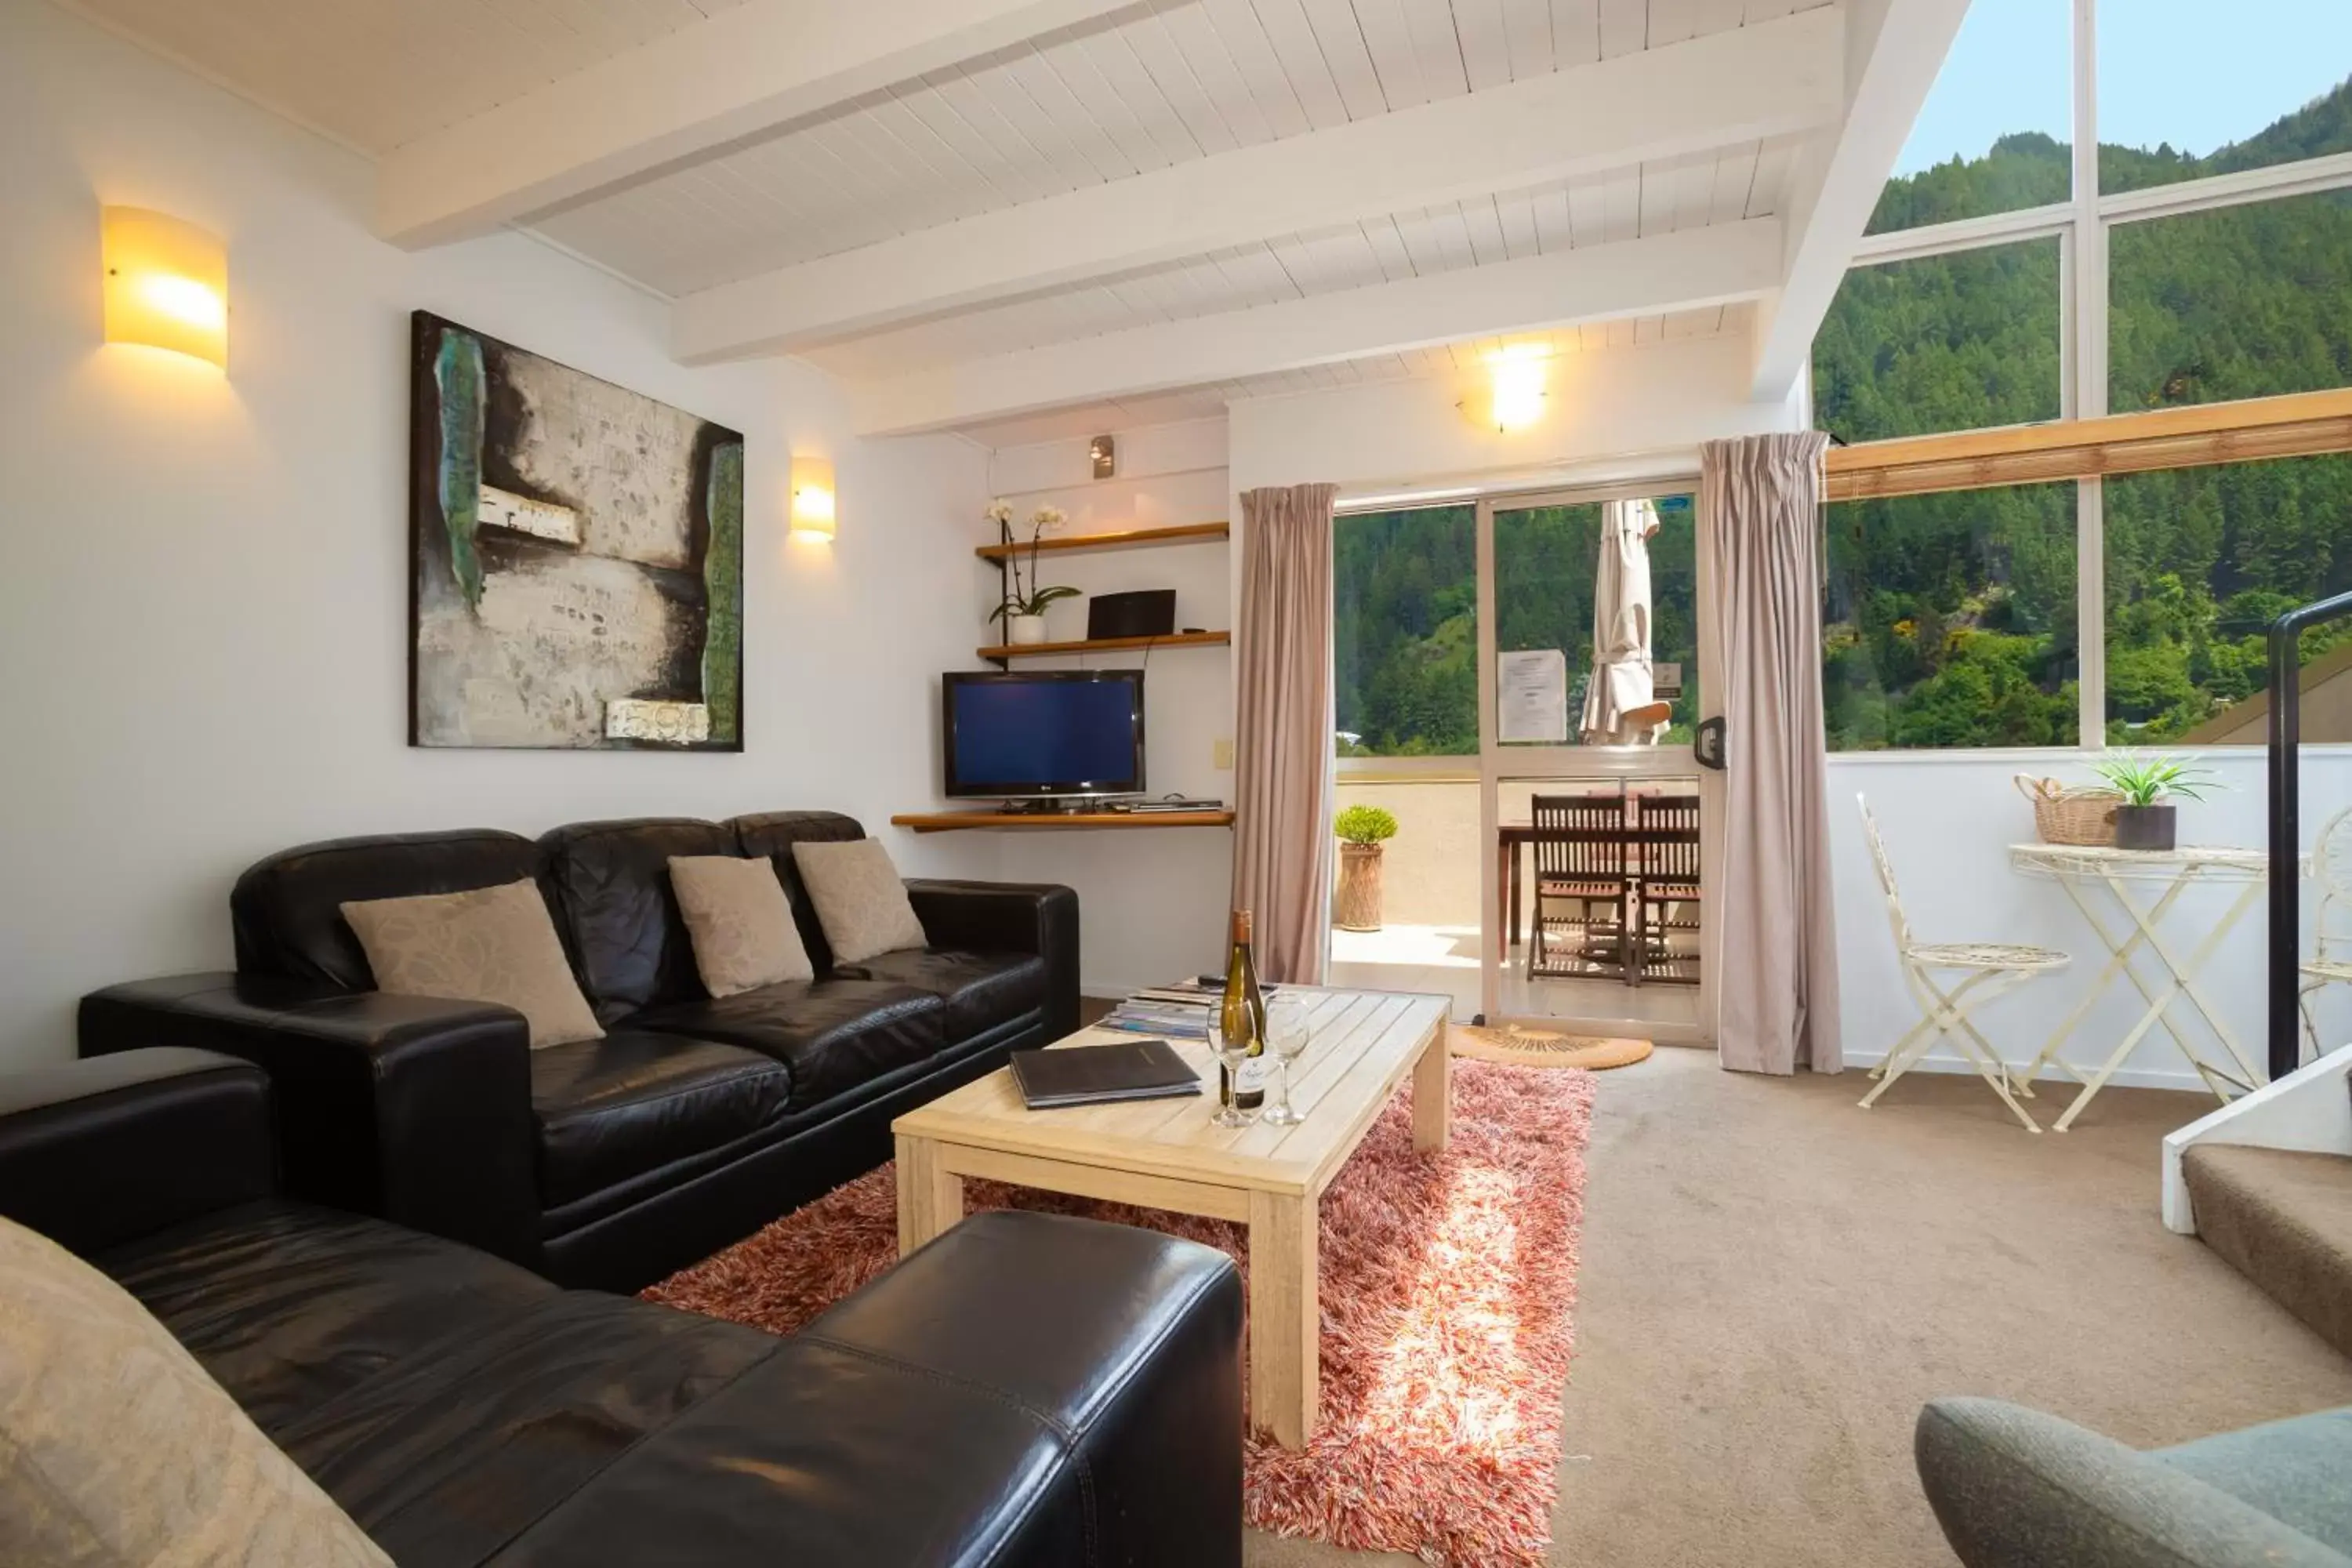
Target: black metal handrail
(2286, 826)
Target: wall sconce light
(1104, 453)
(166, 283)
(812, 498)
(1518, 375)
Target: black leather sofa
(1028, 1390)
(612, 1163)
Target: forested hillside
(1951, 618)
(1404, 636)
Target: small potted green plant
(2145, 820)
(1024, 609)
(1363, 830)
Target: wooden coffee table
(1167, 1155)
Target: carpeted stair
(2283, 1219)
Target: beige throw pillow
(493, 944)
(860, 901)
(117, 1449)
(742, 927)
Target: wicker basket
(2079, 815)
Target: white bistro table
(2081, 869)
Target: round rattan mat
(1523, 1046)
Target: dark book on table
(1098, 1075)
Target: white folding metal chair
(1988, 969)
(2331, 955)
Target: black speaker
(1146, 612)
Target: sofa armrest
(1029, 1389)
(1008, 917)
(2016, 1489)
(1127, 1342)
(95, 1152)
(411, 1108)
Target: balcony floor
(1443, 959)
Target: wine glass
(1232, 1053)
(1285, 1037)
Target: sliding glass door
(1591, 822)
(1405, 636)
(1516, 685)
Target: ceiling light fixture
(1518, 373)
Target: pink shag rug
(1446, 1283)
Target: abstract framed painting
(576, 570)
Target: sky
(2196, 73)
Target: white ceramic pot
(1024, 631)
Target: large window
(2238, 301)
(1951, 620)
(2213, 263)
(1994, 134)
(2187, 89)
(1942, 342)
(2198, 563)
(1404, 590)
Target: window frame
(2082, 226)
(1470, 767)
(1432, 767)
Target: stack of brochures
(1178, 1012)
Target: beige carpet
(1773, 1281)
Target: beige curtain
(1282, 793)
(1775, 954)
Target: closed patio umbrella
(1620, 683)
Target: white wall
(1638, 408)
(202, 580)
(1948, 822)
(1151, 902)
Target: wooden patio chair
(1579, 845)
(2331, 955)
(1666, 884)
(1987, 970)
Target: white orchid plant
(1023, 596)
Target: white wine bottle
(1241, 1016)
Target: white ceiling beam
(1894, 50)
(684, 96)
(1777, 79)
(1666, 272)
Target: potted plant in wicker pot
(1363, 830)
(2146, 819)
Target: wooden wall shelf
(1107, 644)
(1121, 539)
(955, 821)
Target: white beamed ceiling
(1153, 85)
(1747, 182)
(375, 74)
(1183, 79)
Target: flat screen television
(1026, 735)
